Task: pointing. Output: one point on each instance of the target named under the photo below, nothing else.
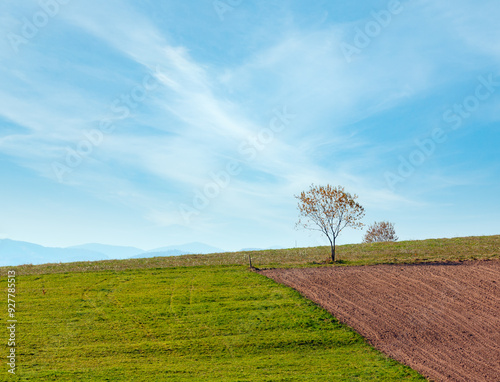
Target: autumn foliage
(381, 231)
(329, 210)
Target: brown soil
(442, 320)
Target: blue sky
(150, 123)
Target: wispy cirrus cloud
(350, 121)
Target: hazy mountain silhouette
(170, 252)
(196, 248)
(112, 251)
(14, 252)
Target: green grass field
(173, 319)
(218, 323)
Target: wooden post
(250, 261)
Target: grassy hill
(194, 318)
(460, 248)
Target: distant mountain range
(19, 252)
(195, 248)
(190, 248)
(111, 251)
(171, 252)
(261, 249)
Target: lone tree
(329, 210)
(382, 231)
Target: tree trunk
(332, 246)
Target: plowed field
(443, 320)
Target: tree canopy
(381, 231)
